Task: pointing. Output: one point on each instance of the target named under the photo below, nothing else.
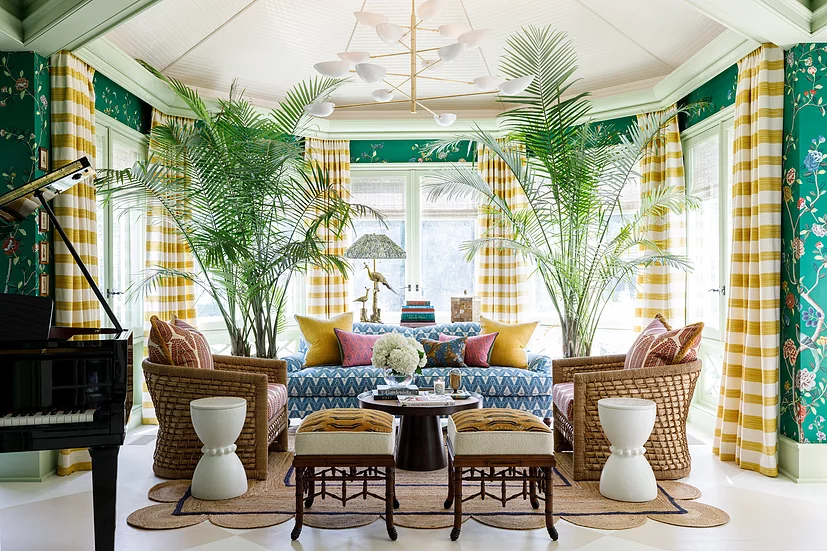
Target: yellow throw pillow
(319, 334)
(509, 346)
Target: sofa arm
(275, 370)
(564, 370)
(540, 363)
(294, 362)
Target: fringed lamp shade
(374, 246)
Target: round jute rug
(421, 496)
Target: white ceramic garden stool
(218, 423)
(627, 423)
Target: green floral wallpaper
(718, 93)
(803, 233)
(121, 104)
(407, 151)
(24, 127)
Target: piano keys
(48, 416)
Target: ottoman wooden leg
(297, 529)
(390, 499)
(457, 503)
(311, 488)
(450, 498)
(552, 531)
(533, 472)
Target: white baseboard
(802, 463)
(701, 419)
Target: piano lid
(18, 204)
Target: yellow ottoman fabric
(346, 432)
(496, 431)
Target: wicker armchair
(172, 388)
(596, 377)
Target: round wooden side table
(420, 446)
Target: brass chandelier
(405, 36)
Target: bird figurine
(364, 298)
(376, 277)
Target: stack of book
(387, 392)
(426, 400)
(417, 313)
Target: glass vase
(397, 379)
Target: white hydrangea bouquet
(399, 356)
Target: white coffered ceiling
(269, 45)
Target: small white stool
(627, 423)
(218, 423)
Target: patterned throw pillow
(477, 349)
(178, 343)
(446, 353)
(356, 349)
(659, 344)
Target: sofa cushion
(357, 349)
(276, 398)
(487, 381)
(477, 349)
(323, 345)
(659, 344)
(450, 353)
(177, 343)
(509, 347)
(562, 395)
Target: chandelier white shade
(428, 11)
(383, 95)
(389, 33)
(369, 18)
(474, 39)
(371, 72)
(352, 58)
(333, 69)
(321, 109)
(445, 119)
(452, 52)
(487, 83)
(432, 65)
(452, 31)
(517, 86)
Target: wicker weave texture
(670, 387)
(178, 449)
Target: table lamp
(374, 246)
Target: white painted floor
(767, 514)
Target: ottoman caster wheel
(294, 535)
(535, 503)
(395, 503)
(308, 502)
(455, 534)
(392, 533)
(552, 531)
(448, 503)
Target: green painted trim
(28, 466)
(702, 419)
(11, 30)
(802, 463)
(135, 418)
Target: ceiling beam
(47, 26)
(782, 22)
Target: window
(430, 231)
(708, 165)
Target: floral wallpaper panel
(718, 93)
(120, 104)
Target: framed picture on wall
(44, 285)
(43, 250)
(43, 159)
(42, 221)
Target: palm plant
(237, 188)
(572, 174)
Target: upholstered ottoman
(337, 446)
(499, 446)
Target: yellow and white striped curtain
(501, 273)
(746, 427)
(73, 136)
(662, 289)
(327, 293)
(166, 249)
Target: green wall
(121, 104)
(718, 93)
(24, 127)
(406, 151)
(803, 234)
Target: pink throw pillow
(356, 349)
(659, 345)
(477, 349)
(178, 343)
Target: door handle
(722, 290)
(110, 293)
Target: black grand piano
(63, 387)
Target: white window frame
(703, 410)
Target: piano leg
(104, 484)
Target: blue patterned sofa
(318, 388)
